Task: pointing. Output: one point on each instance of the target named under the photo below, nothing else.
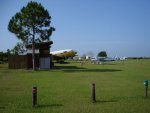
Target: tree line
(4, 55)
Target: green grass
(119, 88)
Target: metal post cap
(146, 82)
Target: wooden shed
(43, 59)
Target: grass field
(119, 88)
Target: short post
(93, 92)
(34, 96)
(145, 88)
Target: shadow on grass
(50, 105)
(1, 107)
(91, 70)
(105, 101)
(109, 64)
(68, 67)
(82, 69)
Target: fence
(17, 61)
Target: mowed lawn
(67, 89)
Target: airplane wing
(63, 54)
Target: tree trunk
(33, 51)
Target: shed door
(45, 63)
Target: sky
(119, 27)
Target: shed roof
(40, 45)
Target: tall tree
(32, 22)
(102, 54)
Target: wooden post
(146, 91)
(34, 96)
(93, 92)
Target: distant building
(87, 57)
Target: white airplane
(99, 60)
(63, 54)
(123, 58)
